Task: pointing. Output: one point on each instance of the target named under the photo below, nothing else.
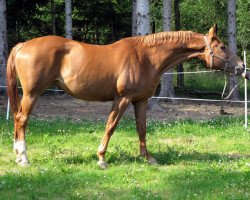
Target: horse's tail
(11, 76)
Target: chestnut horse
(127, 71)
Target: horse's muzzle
(246, 75)
(241, 70)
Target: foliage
(24, 20)
(243, 23)
(94, 21)
(106, 21)
(243, 27)
(197, 160)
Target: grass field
(197, 160)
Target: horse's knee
(21, 120)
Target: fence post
(245, 63)
(8, 110)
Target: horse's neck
(166, 56)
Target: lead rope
(225, 85)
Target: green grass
(197, 160)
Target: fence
(181, 98)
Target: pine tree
(134, 17)
(68, 11)
(3, 43)
(143, 17)
(167, 88)
(232, 43)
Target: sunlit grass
(197, 160)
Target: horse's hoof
(102, 164)
(27, 164)
(18, 160)
(24, 164)
(152, 161)
(22, 161)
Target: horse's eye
(222, 47)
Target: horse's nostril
(238, 70)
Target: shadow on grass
(79, 159)
(110, 158)
(210, 183)
(58, 183)
(173, 156)
(169, 157)
(66, 185)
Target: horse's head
(219, 57)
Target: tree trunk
(96, 37)
(53, 19)
(232, 43)
(167, 88)
(180, 77)
(177, 15)
(68, 12)
(3, 44)
(143, 28)
(134, 18)
(143, 17)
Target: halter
(226, 61)
(212, 55)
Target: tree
(110, 23)
(134, 19)
(68, 11)
(243, 24)
(167, 88)
(232, 43)
(53, 19)
(143, 17)
(3, 43)
(143, 28)
(177, 22)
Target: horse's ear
(213, 30)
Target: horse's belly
(87, 90)
(95, 94)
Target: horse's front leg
(140, 108)
(119, 106)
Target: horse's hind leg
(140, 108)
(21, 120)
(119, 106)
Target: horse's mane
(163, 37)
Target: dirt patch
(50, 106)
